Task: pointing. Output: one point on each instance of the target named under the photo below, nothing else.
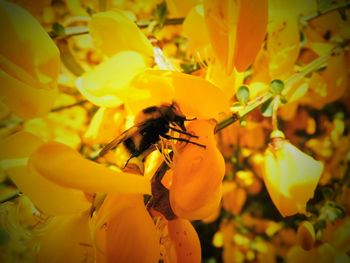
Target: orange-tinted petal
(195, 192)
(185, 240)
(221, 18)
(48, 197)
(251, 30)
(67, 239)
(64, 166)
(125, 231)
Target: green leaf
(160, 13)
(242, 94)
(276, 86)
(267, 108)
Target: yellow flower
(125, 232)
(236, 30)
(114, 32)
(190, 92)
(290, 176)
(52, 199)
(195, 192)
(108, 84)
(56, 179)
(29, 63)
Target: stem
(325, 11)
(78, 103)
(70, 31)
(243, 112)
(276, 102)
(312, 66)
(167, 22)
(81, 30)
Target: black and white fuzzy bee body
(152, 124)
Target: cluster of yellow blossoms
(75, 74)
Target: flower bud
(290, 176)
(306, 235)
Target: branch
(338, 7)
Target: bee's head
(173, 113)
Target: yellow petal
(291, 177)
(227, 83)
(125, 232)
(185, 239)
(195, 192)
(194, 28)
(251, 31)
(48, 197)
(29, 63)
(107, 85)
(192, 93)
(157, 87)
(179, 8)
(67, 239)
(113, 32)
(104, 126)
(283, 42)
(19, 145)
(221, 19)
(54, 161)
(25, 101)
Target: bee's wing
(122, 137)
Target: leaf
(161, 13)
(267, 108)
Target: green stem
(307, 69)
(69, 32)
(339, 6)
(243, 112)
(78, 103)
(167, 22)
(276, 103)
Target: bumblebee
(152, 124)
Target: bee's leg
(191, 119)
(183, 132)
(166, 136)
